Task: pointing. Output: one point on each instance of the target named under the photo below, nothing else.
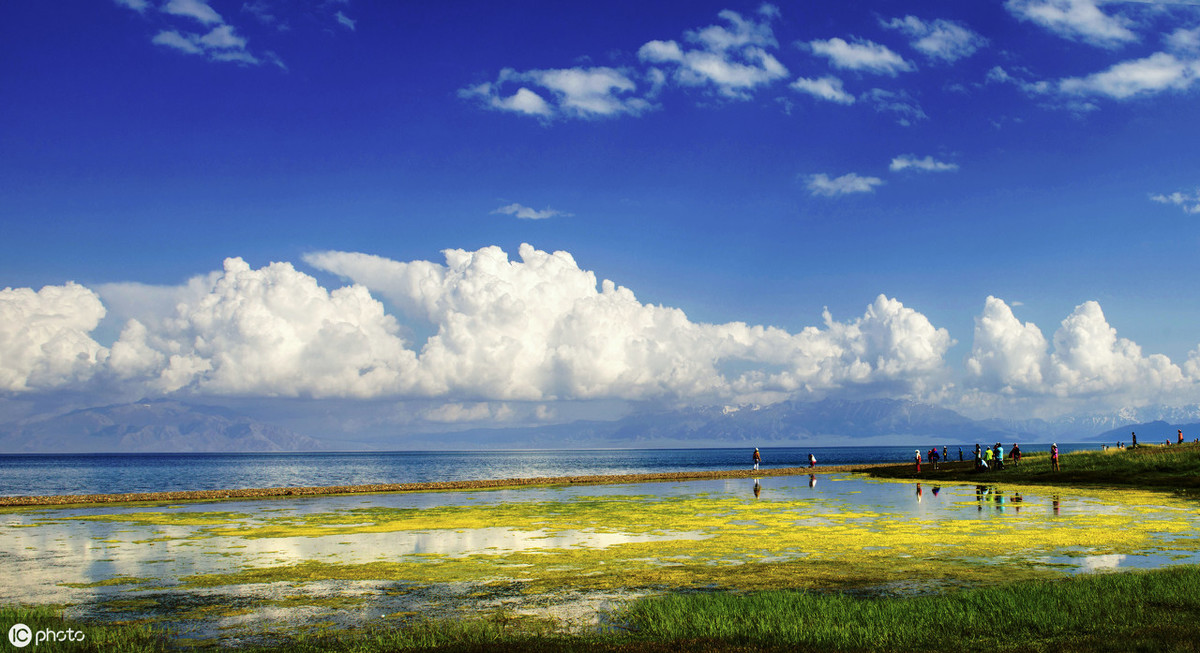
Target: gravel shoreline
(262, 493)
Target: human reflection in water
(812, 480)
(980, 491)
(1016, 501)
(920, 492)
(998, 498)
(1054, 502)
(936, 489)
(757, 489)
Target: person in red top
(918, 460)
(1180, 436)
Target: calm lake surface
(219, 571)
(47, 474)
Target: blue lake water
(48, 474)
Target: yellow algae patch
(111, 582)
(717, 540)
(728, 541)
(158, 518)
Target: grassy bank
(1134, 611)
(1151, 611)
(59, 634)
(1154, 467)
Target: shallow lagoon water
(47, 474)
(229, 569)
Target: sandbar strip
(260, 493)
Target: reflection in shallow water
(285, 561)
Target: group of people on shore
(935, 458)
(985, 457)
(1134, 444)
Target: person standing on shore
(1015, 454)
(1134, 445)
(1180, 436)
(1054, 457)
(918, 460)
(757, 458)
(812, 461)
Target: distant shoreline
(437, 486)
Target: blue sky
(996, 203)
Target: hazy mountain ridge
(825, 423)
(1155, 432)
(158, 426)
(1097, 426)
(171, 426)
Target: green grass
(1151, 467)
(118, 638)
(1124, 611)
(1151, 611)
(1129, 611)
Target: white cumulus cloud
(1154, 74)
(827, 88)
(177, 20)
(1084, 359)
(535, 329)
(861, 55)
(1184, 40)
(939, 39)
(566, 92)
(1189, 202)
(197, 9)
(222, 43)
(526, 213)
(173, 39)
(44, 336)
(273, 332)
(927, 164)
(1007, 354)
(731, 58)
(542, 328)
(1080, 20)
(821, 184)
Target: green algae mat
(228, 571)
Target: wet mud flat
(438, 486)
(233, 571)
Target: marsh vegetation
(837, 562)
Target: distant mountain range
(824, 423)
(172, 426)
(1155, 432)
(1097, 427)
(154, 426)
